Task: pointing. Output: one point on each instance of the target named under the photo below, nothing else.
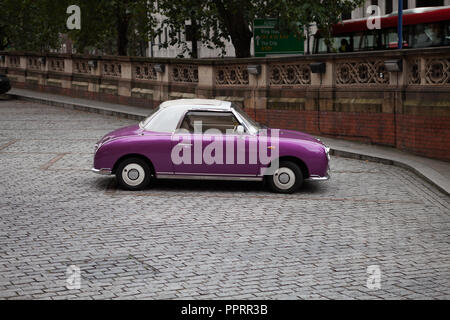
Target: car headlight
(101, 142)
(327, 151)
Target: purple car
(209, 139)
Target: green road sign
(269, 41)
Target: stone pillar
(124, 84)
(422, 70)
(258, 84)
(162, 90)
(23, 62)
(94, 84)
(206, 82)
(68, 70)
(321, 97)
(20, 76)
(43, 75)
(399, 79)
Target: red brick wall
(422, 135)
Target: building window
(374, 2)
(389, 6)
(405, 4)
(429, 3)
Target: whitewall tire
(133, 174)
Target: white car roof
(207, 104)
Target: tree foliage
(107, 26)
(232, 19)
(33, 25)
(293, 15)
(119, 27)
(125, 27)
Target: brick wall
(421, 135)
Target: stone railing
(355, 96)
(206, 77)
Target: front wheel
(286, 179)
(133, 174)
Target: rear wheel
(133, 174)
(286, 179)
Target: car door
(207, 144)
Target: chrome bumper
(105, 172)
(317, 178)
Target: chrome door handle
(185, 144)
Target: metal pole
(400, 24)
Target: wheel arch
(301, 164)
(134, 155)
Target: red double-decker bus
(422, 27)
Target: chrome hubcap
(133, 174)
(284, 178)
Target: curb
(138, 117)
(80, 107)
(358, 156)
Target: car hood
(122, 132)
(291, 134)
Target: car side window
(221, 121)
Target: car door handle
(185, 144)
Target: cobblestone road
(205, 239)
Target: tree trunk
(122, 28)
(194, 26)
(237, 26)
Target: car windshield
(245, 117)
(165, 120)
(145, 122)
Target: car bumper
(105, 172)
(317, 178)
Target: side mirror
(240, 129)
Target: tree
(293, 15)
(107, 26)
(197, 19)
(210, 21)
(112, 24)
(232, 19)
(236, 15)
(31, 25)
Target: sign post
(269, 41)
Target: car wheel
(286, 179)
(133, 174)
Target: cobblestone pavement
(203, 240)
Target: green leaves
(232, 19)
(126, 26)
(37, 25)
(32, 25)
